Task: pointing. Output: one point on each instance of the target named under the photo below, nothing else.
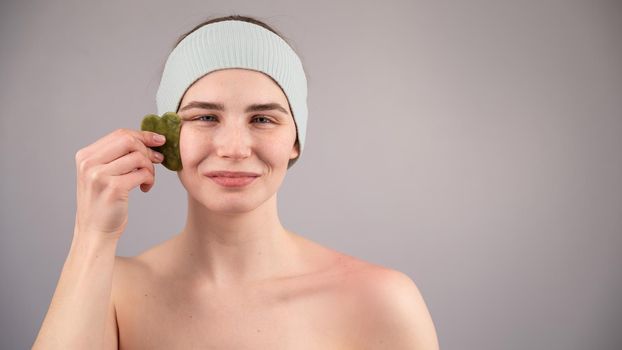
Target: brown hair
(245, 19)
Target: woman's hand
(106, 172)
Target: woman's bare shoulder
(128, 271)
(131, 272)
(354, 269)
(147, 260)
(384, 304)
(392, 313)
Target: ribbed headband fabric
(235, 44)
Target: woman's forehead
(235, 86)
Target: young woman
(233, 277)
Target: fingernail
(159, 138)
(158, 156)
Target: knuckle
(127, 140)
(115, 184)
(122, 131)
(79, 155)
(83, 164)
(126, 136)
(147, 162)
(140, 159)
(94, 175)
(136, 143)
(147, 171)
(151, 170)
(140, 176)
(150, 177)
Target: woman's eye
(264, 118)
(203, 116)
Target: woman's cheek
(188, 144)
(280, 149)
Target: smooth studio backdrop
(474, 145)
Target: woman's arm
(106, 171)
(79, 309)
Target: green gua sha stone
(169, 126)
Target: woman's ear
(295, 150)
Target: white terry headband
(235, 44)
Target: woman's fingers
(121, 142)
(108, 170)
(128, 164)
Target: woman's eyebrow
(220, 107)
(266, 107)
(203, 105)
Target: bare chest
(277, 316)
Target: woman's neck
(224, 250)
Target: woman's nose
(232, 141)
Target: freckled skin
(168, 125)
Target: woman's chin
(230, 209)
(228, 204)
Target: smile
(233, 181)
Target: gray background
(474, 145)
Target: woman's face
(231, 136)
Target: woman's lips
(233, 181)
